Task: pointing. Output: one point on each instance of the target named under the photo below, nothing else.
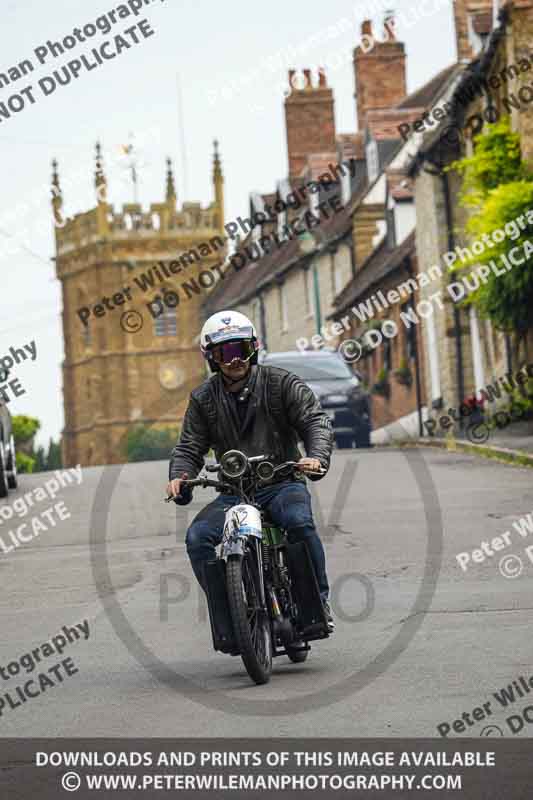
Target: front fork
(280, 624)
(256, 545)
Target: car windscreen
(313, 369)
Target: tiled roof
(351, 145)
(428, 93)
(375, 269)
(383, 124)
(243, 284)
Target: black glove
(184, 497)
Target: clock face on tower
(170, 376)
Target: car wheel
(11, 469)
(3, 472)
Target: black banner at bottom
(488, 769)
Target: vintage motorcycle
(262, 592)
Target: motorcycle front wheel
(250, 622)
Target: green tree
(150, 444)
(25, 463)
(498, 187)
(28, 459)
(40, 459)
(496, 160)
(24, 428)
(53, 459)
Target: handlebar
(205, 482)
(296, 464)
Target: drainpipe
(316, 291)
(414, 334)
(352, 256)
(456, 310)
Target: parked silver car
(8, 459)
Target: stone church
(124, 363)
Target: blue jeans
(289, 506)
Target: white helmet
(226, 326)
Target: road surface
(419, 641)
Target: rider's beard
(235, 373)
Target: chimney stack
(380, 81)
(473, 21)
(309, 119)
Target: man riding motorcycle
(258, 410)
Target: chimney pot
(307, 76)
(389, 23)
(322, 81)
(366, 28)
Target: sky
(210, 70)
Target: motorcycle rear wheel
(250, 624)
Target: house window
(387, 355)
(372, 160)
(391, 228)
(495, 342)
(410, 334)
(309, 294)
(283, 307)
(282, 221)
(166, 324)
(336, 277)
(314, 200)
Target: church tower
(130, 356)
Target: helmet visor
(228, 352)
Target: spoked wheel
(250, 623)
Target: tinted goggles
(227, 352)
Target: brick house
(384, 221)
(464, 352)
(287, 289)
(289, 293)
